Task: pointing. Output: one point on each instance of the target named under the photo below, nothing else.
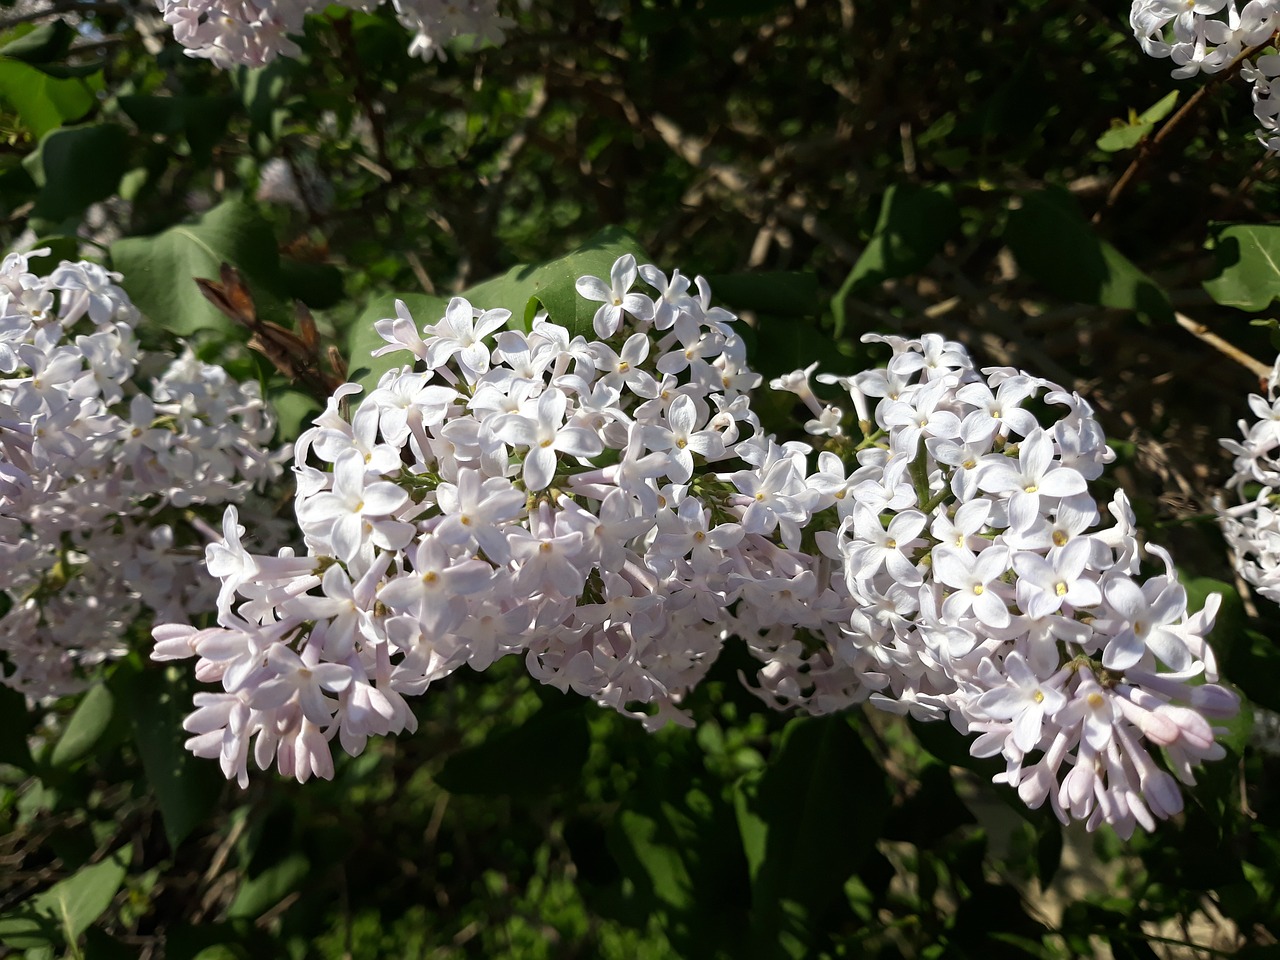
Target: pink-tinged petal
(272, 694)
(1170, 649)
(1123, 651)
(1062, 482)
(403, 593)
(332, 676)
(578, 442)
(1003, 703)
(638, 305)
(1126, 598)
(539, 468)
(490, 321)
(606, 321)
(468, 577)
(593, 288)
(347, 536)
(316, 707)
(382, 498)
(1026, 729)
(623, 273)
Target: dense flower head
(988, 591)
(612, 511)
(1209, 36)
(232, 33)
(1251, 524)
(101, 473)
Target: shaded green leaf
(185, 787)
(15, 723)
(38, 44)
(1056, 245)
(547, 751)
(77, 166)
(263, 891)
(42, 102)
(69, 907)
(85, 728)
(807, 821)
(1248, 261)
(913, 224)
(552, 285)
(780, 293)
(201, 120)
(159, 271)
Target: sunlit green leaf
(1248, 259)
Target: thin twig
(1200, 331)
(1151, 147)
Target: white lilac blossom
(102, 475)
(1209, 36)
(612, 512)
(987, 592)
(1251, 525)
(233, 33)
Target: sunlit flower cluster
(100, 474)
(1251, 524)
(611, 510)
(987, 592)
(232, 33)
(1208, 36)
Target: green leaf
(779, 293)
(69, 907)
(15, 723)
(1248, 259)
(807, 822)
(545, 752)
(264, 890)
(38, 44)
(85, 728)
(363, 339)
(159, 271)
(913, 225)
(186, 788)
(1126, 134)
(201, 120)
(77, 166)
(1056, 245)
(552, 285)
(42, 102)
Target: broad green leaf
(42, 102)
(552, 285)
(185, 787)
(15, 723)
(1125, 134)
(38, 44)
(263, 891)
(1057, 246)
(913, 225)
(807, 821)
(160, 271)
(67, 909)
(77, 166)
(547, 751)
(85, 727)
(779, 293)
(656, 850)
(202, 120)
(363, 339)
(1248, 259)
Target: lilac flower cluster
(986, 591)
(1208, 36)
(238, 33)
(612, 511)
(96, 474)
(1251, 526)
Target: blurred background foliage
(834, 167)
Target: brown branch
(1201, 332)
(1150, 147)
